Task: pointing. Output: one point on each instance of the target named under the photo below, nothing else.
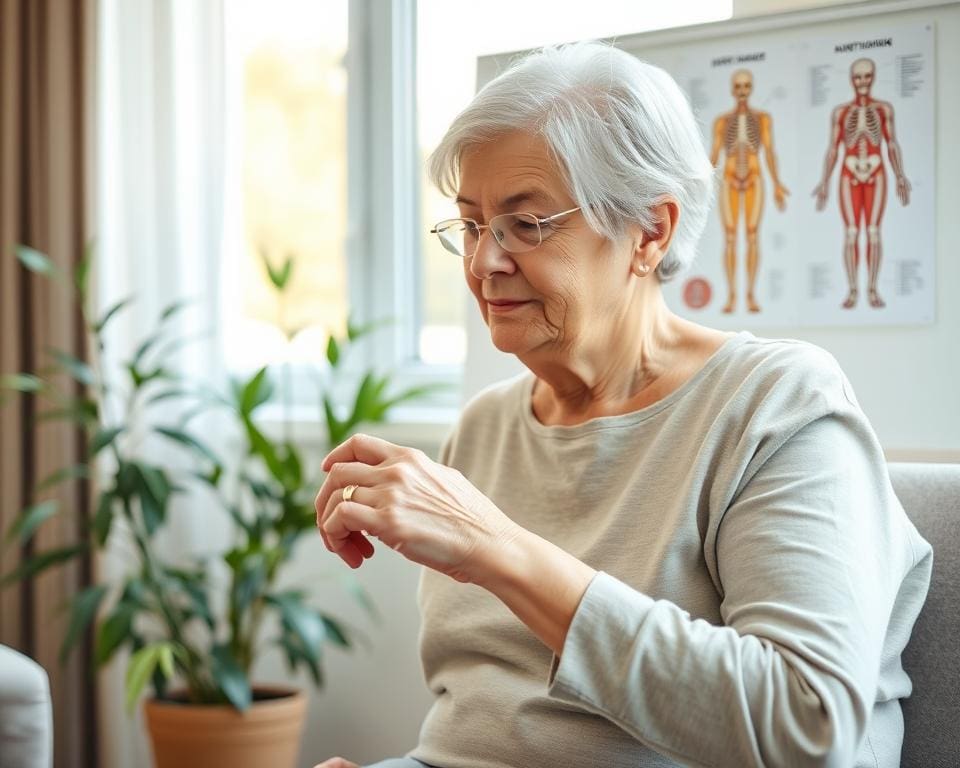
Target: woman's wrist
(541, 583)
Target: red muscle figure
(857, 129)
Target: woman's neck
(650, 354)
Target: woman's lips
(502, 306)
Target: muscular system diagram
(740, 134)
(857, 130)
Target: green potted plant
(193, 639)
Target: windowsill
(423, 427)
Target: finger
(362, 495)
(360, 447)
(358, 548)
(350, 517)
(340, 475)
(363, 544)
(336, 762)
(350, 553)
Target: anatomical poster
(823, 150)
(867, 132)
(745, 99)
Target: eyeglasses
(515, 232)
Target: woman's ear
(653, 246)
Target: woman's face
(565, 295)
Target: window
(343, 101)
(293, 162)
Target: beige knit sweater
(759, 580)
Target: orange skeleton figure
(860, 126)
(740, 133)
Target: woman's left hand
(429, 513)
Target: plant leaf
(293, 467)
(81, 410)
(102, 322)
(365, 401)
(139, 670)
(28, 522)
(301, 620)
(67, 473)
(165, 661)
(188, 440)
(103, 518)
(295, 657)
(81, 274)
(168, 394)
(333, 350)
(84, 609)
(255, 392)
(355, 332)
(153, 488)
(34, 260)
(40, 563)
(279, 277)
(173, 307)
(192, 584)
(114, 632)
(286, 271)
(230, 677)
(22, 382)
(251, 577)
(104, 437)
(74, 366)
(412, 393)
(335, 631)
(262, 447)
(145, 346)
(336, 429)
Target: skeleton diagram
(858, 127)
(740, 134)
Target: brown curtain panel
(45, 71)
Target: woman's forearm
(541, 583)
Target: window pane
(294, 174)
(450, 37)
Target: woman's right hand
(336, 762)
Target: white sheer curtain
(161, 160)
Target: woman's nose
(490, 257)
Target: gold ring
(348, 492)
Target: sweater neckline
(601, 423)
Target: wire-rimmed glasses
(515, 232)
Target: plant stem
(172, 617)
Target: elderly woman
(663, 544)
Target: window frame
(384, 259)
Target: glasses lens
(516, 232)
(458, 236)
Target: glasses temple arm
(558, 215)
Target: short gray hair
(621, 130)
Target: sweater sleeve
(810, 561)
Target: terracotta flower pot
(267, 735)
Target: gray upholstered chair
(26, 714)
(930, 493)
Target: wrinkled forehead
(496, 171)
(862, 67)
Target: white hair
(621, 131)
